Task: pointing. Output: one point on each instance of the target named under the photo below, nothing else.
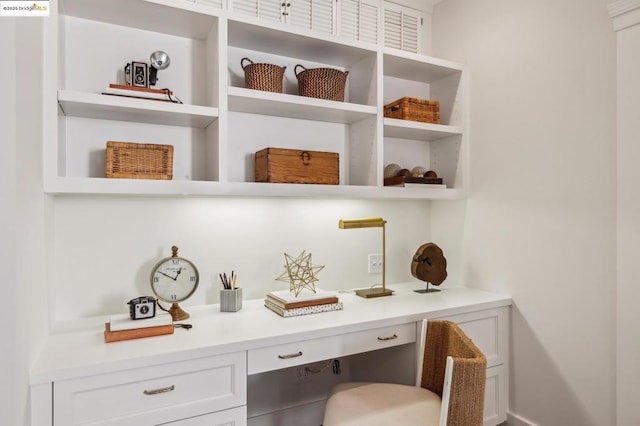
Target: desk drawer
(158, 393)
(306, 351)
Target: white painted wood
(207, 363)
(214, 38)
(293, 106)
(489, 330)
(184, 389)
(404, 129)
(90, 105)
(358, 20)
(496, 399)
(41, 402)
(402, 27)
(626, 20)
(81, 351)
(149, 188)
(298, 353)
(179, 18)
(232, 417)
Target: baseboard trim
(516, 420)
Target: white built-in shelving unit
(221, 124)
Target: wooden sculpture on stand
(429, 265)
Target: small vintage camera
(136, 74)
(142, 307)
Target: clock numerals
(192, 278)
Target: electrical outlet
(302, 375)
(375, 263)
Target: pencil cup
(231, 300)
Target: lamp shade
(366, 222)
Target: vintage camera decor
(141, 74)
(136, 74)
(142, 307)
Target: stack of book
(287, 304)
(139, 92)
(122, 327)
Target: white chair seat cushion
(383, 404)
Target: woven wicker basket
(267, 77)
(322, 83)
(139, 161)
(414, 109)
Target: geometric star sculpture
(300, 272)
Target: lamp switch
(375, 263)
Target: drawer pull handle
(290, 355)
(161, 390)
(395, 336)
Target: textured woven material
(373, 404)
(267, 77)
(139, 161)
(414, 109)
(466, 403)
(322, 83)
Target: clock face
(174, 279)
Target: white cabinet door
(358, 20)
(402, 27)
(315, 15)
(269, 10)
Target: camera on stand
(142, 307)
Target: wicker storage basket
(139, 161)
(267, 77)
(414, 109)
(322, 83)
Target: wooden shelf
(107, 107)
(183, 19)
(411, 66)
(293, 106)
(255, 34)
(177, 188)
(404, 129)
(215, 41)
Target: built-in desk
(199, 376)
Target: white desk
(77, 370)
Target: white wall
(22, 233)
(8, 336)
(540, 220)
(104, 248)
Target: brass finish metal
(370, 222)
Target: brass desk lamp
(370, 222)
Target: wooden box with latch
(280, 165)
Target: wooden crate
(130, 160)
(414, 109)
(278, 165)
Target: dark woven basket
(267, 77)
(322, 83)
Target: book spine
(117, 336)
(139, 89)
(301, 304)
(141, 95)
(327, 307)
